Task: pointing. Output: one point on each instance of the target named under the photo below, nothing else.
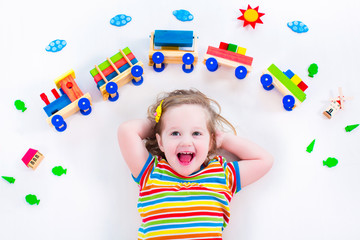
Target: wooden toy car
(71, 100)
(173, 47)
(228, 55)
(117, 71)
(288, 83)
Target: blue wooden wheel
(241, 72)
(138, 83)
(158, 58)
(288, 102)
(112, 88)
(137, 71)
(84, 105)
(188, 59)
(212, 64)
(59, 123)
(266, 81)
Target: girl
(184, 192)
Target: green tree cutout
(313, 69)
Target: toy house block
(223, 45)
(67, 83)
(302, 86)
(32, 158)
(173, 38)
(241, 50)
(287, 83)
(232, 47)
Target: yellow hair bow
(158, 112)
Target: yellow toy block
(296, 80)
(241, 50)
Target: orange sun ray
(251, 16)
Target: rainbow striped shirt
(195, 207)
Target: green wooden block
(106, 64)
(295, 90)
(232, 47)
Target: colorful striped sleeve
(146, 170)
(232, 173)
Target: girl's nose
(186, 140)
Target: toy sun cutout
(251, 16)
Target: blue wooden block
(173, 38)
(289, 73)
(57, 105)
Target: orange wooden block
(70, 88)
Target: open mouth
(185, 157)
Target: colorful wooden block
(285, 81)
(241, 50)
(70, 88)
(246, 60)
(223, 45)
(119, 64)
(302, 86)
(106, 64)
(232, 47)
(296, 79)
(289, 74)
(173, 38)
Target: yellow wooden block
(296, 80)
(241, 50)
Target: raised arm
(130, 136)
(254, 162)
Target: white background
(298, 199)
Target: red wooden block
(223, 45)
(55, 93)
(235, 57)
(302, 86)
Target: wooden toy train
(228, 55)
(71, 100)
(288, 83)
(173, 47)
(115, 72)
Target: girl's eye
(175, 134)
(196, 133)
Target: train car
(173, 47)
(228, 55)
(288, 83)
(71, 101)
(117, 71)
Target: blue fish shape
(298, 26)
(56, 45)
(120, 20)
(183, 15)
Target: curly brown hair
(179, 97)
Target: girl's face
(185, 138)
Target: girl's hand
(219, 137)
